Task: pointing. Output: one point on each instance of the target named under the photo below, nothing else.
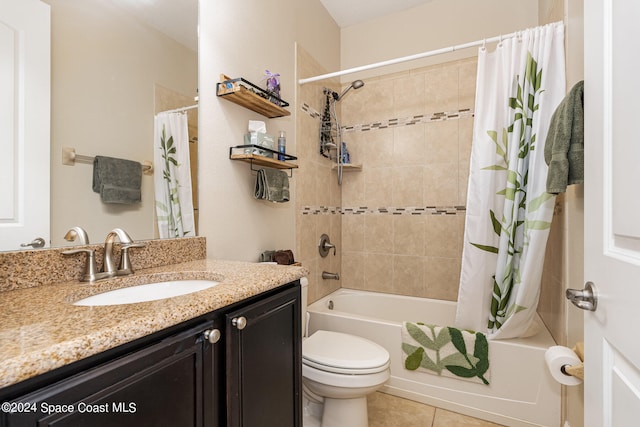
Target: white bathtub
(522, 391)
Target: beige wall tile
(463, 184)
(442, 276)
(378, 233)
(465, 137)
(441, 184)
(371, 103)
(403, 166)
(306, 232)
(325, 177)
(442, 236)
(405, 101)
(353, 270)
(325, 286)
(441, 89)
(378, 187)
(467, 83)
(442, 142)
(315, 185)
(407, 186)
(409, 146)
(377, 148)
(408, 276)
(552, 304)
(353, 233)
(306, 194)
(378, 272)
(408, 235)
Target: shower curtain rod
(179, 110)
(413, 57)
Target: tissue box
(261, 139)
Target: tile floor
(391, 411)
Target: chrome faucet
(77, 233)
(333, 276)
(108, 267)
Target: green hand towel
(117, 180)
(564, 149)
(272, 185)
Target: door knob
(38, 242)
(585, 299)
(239, 322)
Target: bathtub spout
(326, 275)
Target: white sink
(148, 292)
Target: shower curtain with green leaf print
(508, 217)
(172, 176)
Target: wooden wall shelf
(255, 159)
(250, 96)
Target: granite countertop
(41, 330)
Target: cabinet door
(264, 363)
(161, 385)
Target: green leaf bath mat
(446, 351)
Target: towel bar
(69, 158)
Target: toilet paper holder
(575, 370)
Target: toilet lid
(338, 352)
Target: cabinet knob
(212, 335)
(239, 322)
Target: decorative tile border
(310, 111)
(364, 210)
(396, 122)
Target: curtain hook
(500, 41)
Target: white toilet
(338, 372)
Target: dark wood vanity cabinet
(160, 385)
(249, 376)
(264, 369)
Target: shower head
(356, 84)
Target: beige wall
(104, 67)
(244, 40)
(433, 25)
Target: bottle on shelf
(282, 145)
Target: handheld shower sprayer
(356, 84)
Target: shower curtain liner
(509, 213)
(172, 176)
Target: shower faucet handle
(324, 246)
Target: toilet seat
(340, 353)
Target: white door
(612, 212)
(24, 122)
